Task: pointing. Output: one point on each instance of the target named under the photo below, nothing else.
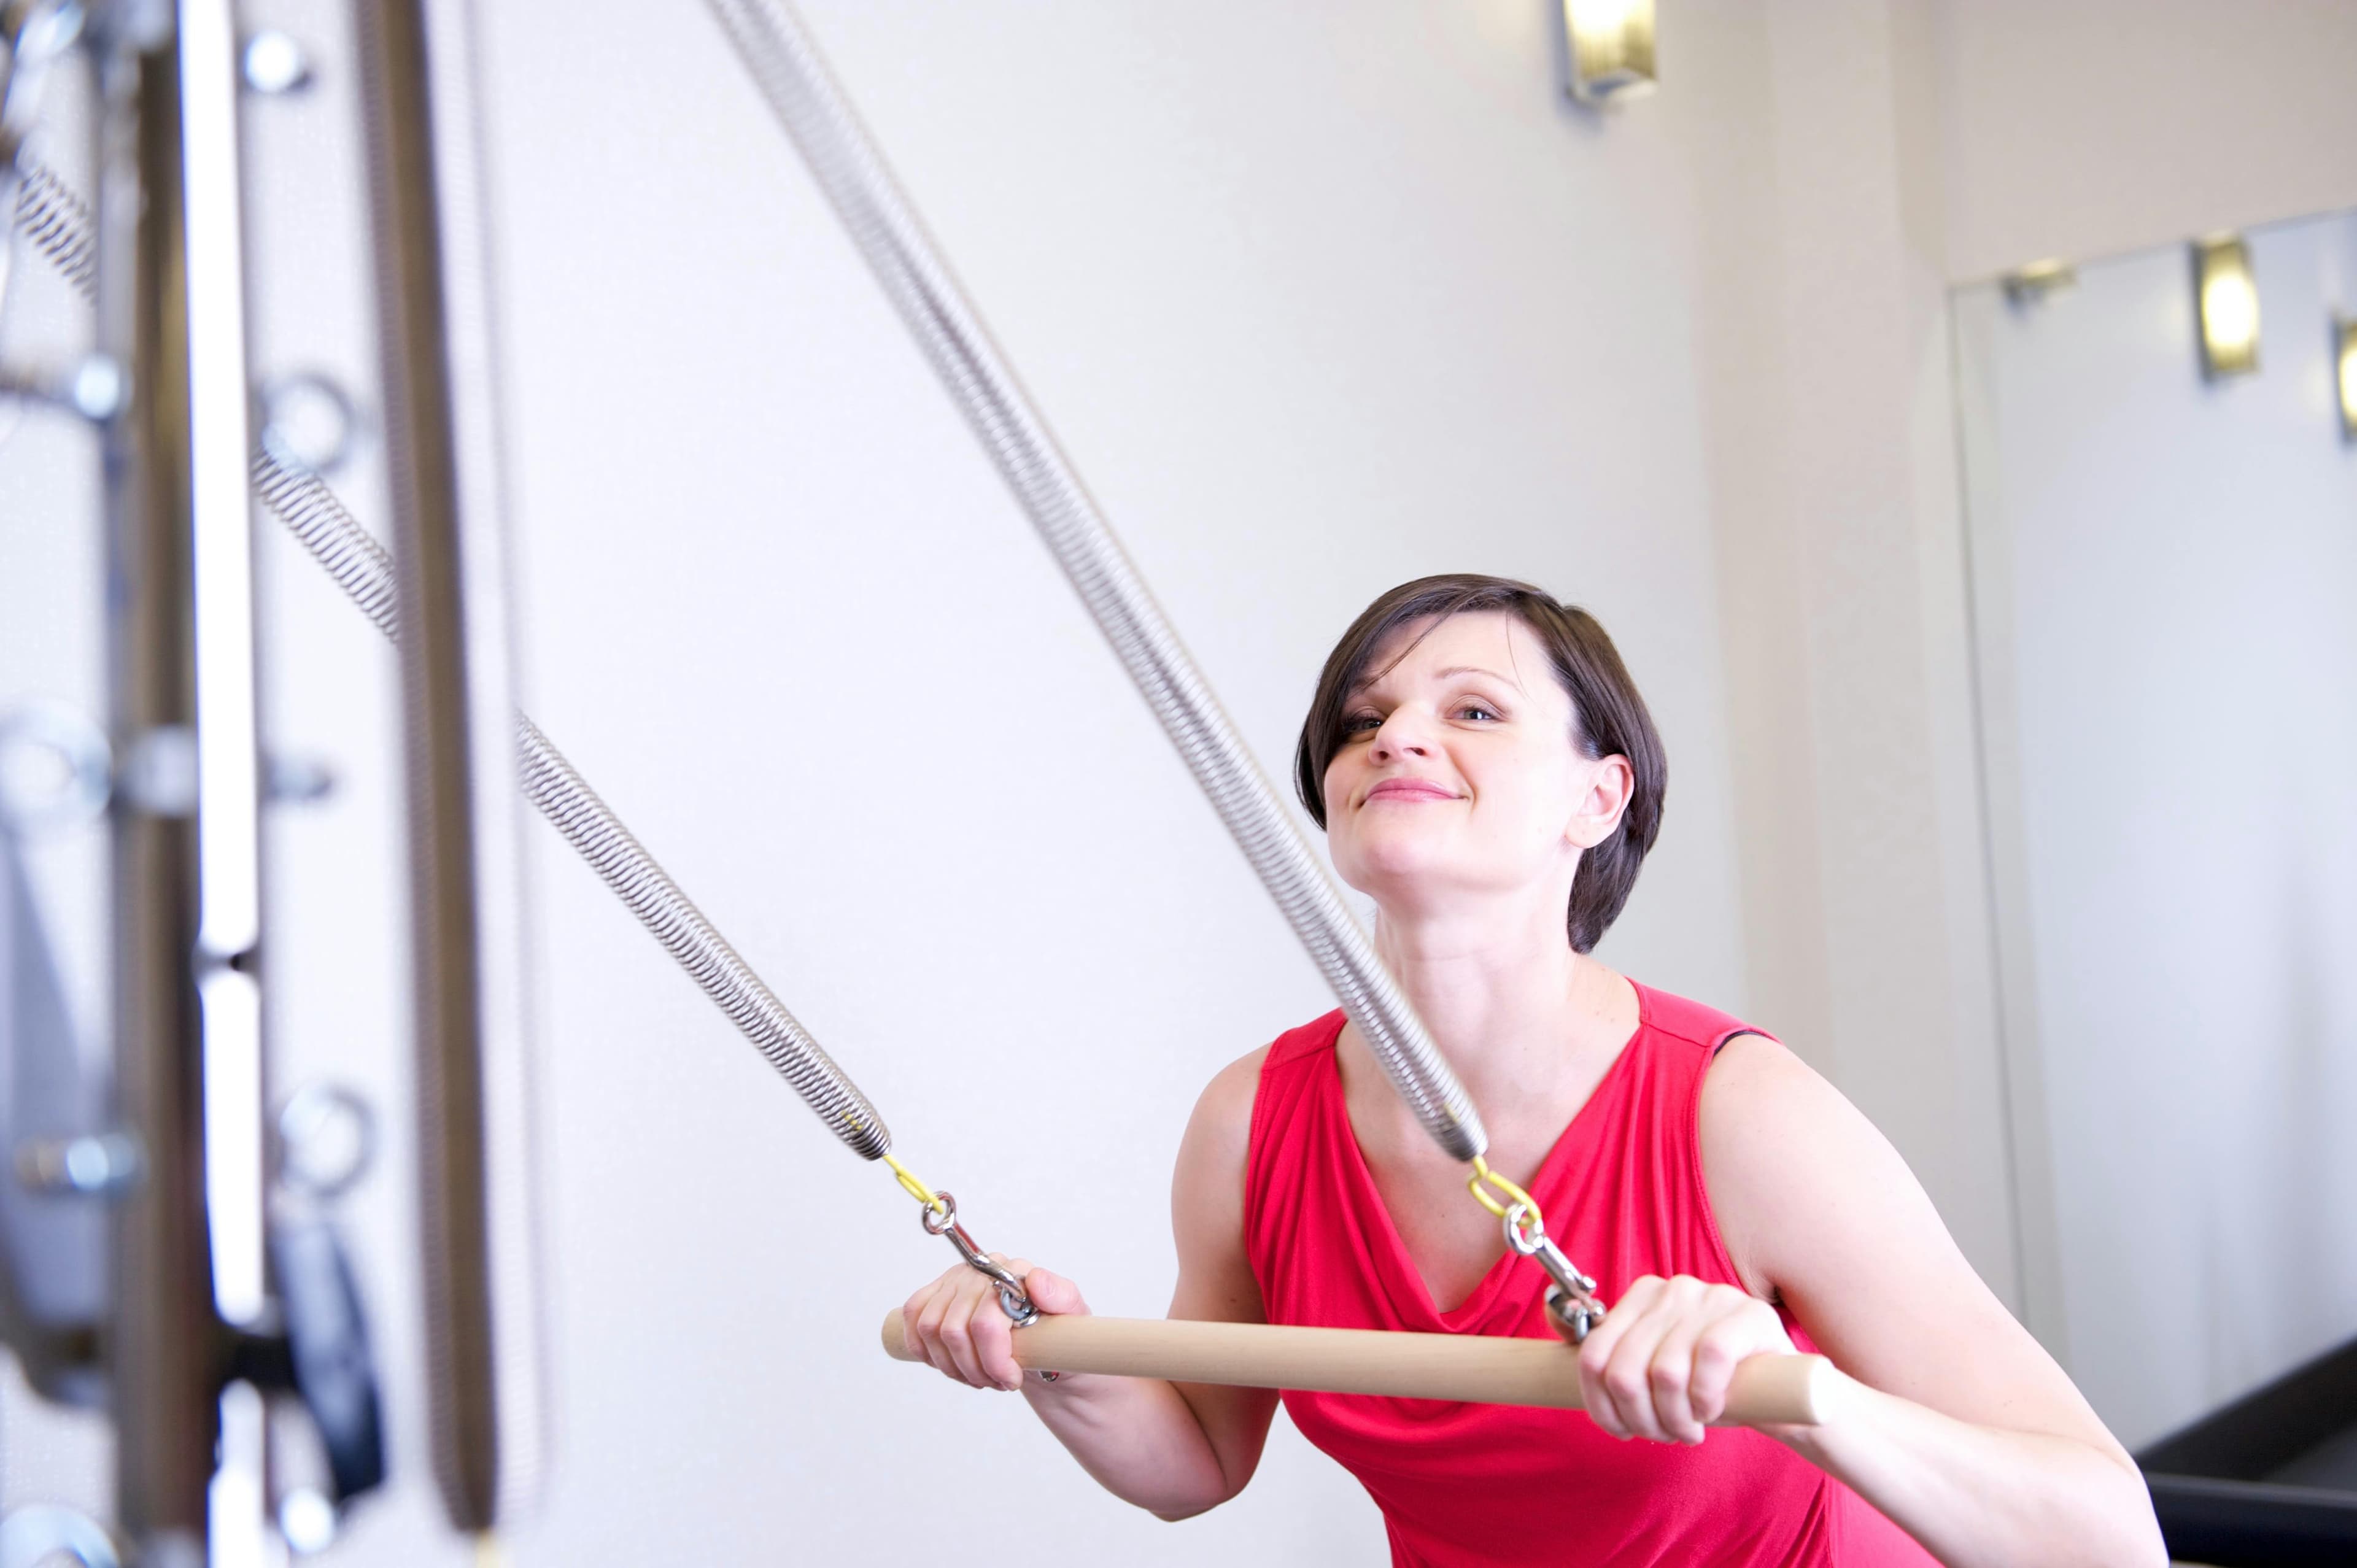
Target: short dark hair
(1607, 718)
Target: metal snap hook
(1012, 1298)
(1571, 1298)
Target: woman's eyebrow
(1365, 681)
(1476, 670)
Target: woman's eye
(1358, 723)
(1475, 711)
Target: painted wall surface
(2098, 126)
(2165, 569)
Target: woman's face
(1458, 774)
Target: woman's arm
(1952, 1421)
(1175, 1449)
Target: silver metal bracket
(98, 1165)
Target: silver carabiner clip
(943, 1221)
(1571, 1300)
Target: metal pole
(229, 856)
(228, 762)
(473, 1072)
(162, 1342)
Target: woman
(1483, 767)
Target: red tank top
(1490, 1485)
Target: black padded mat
(2270, 1481)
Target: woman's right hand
(957, 1323)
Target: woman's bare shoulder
(1206, 1189)
(1232, 1089)
(1819, 1210)
(1750, 1070)
(1220, 1132)
(1803, 1186)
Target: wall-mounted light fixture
(2029, 285)
(1611, 48)
(2227, 301)
(2344, 374)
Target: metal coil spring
(792, 76)
(58, 223)
(592, 829)
(316, 517)
(364, 569)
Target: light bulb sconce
(1610, 47)
(2031, 285)
(2226, 303)
(2344, 374)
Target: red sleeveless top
(1490, 1485)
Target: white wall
(1842, 592)
(2098, 126)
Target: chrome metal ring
(1017, 1305)
(309, 419)
(42, 1532)
(1525, 1243)
(327, 1140)
(1577, 1315)
(56, 770)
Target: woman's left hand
(1659, 1364)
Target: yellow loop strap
(1483, 1173)
(919, 1190)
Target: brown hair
(1607, 718)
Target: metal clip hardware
(1571, 1301)
(942, 1221)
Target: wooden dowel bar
(1766, 1390)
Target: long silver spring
(361, 567)
(792, 75)
(58, 223)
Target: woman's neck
(1520, 1017)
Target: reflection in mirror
(2163, 560)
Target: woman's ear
(1601, 803)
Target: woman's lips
(1410, 790)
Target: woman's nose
(1400, 736)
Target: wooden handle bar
(1766, 1390)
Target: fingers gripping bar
(1767, 1390)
